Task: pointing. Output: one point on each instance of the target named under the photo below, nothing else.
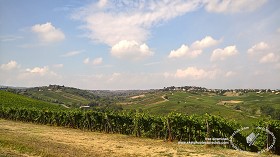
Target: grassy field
(26, 139)
(226, 105)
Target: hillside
(25, 139)
(246, 108)
(244, 105)
(9, 99)
(71, 97)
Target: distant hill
(245, 106)
(8, 99)
(71, 97)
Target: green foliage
(8, 99)
(171, 126)
(270, 111)
(274, 127)
(69, 96)
(245, 110)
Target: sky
(140, 44)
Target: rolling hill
(71, 97)
(9, 99)
(243, 107)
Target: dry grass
(25, 139)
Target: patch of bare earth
(138, 96)
(26, 139)
(231, 94)
(229, 102)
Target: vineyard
(171, 127)
(175, 126)
(8, 99)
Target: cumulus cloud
(40, 71)
(232, 6)
(195, 73)
(71, 53)
(184, 50)
(195, 49)
(48, 33)
(222, 54)
(38, 76)
(10, 65)
(264, 53)
(206, 42)
(270, 58)
(111, 22)
(258, 48)
(131, 50)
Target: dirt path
(64, 106)
(25, 139)
(159, 102)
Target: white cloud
(278, 30)
(270, 58)
(97, 61)
(40, 71)
(195, 49)
(258, 48)
(232, 6)
(206, 42)
(184, 50)
(48, 33)
(71, 53)
(195, 73)
(37, 76)
(131, 50)
(111, 22)
(222, 54)
(10, 65)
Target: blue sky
(140, 44)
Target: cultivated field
(26, 139)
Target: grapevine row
(174, 126)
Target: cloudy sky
(140, 44)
